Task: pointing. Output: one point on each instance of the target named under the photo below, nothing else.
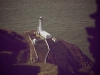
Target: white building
(43, 33)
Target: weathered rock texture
(67, 57)
(35, 69)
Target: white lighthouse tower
(40, 24)
(43, 33)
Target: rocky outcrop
(63, 58)
(35, 69)
(68, 57)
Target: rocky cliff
(66, 58)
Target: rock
(63, 58)
(35, 69)
(68, 57)
(11, 44)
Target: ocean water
(64, 19)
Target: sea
(64, 19)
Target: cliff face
(66, 57)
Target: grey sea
(64, 19)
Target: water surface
(65, 19)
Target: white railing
(34, 48)
(47, 52)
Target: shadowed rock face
(14, 57)
(11, 44)
(68, 58)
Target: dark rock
(68, 57)
(15, 48)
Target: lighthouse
(43, 33)
(40, 24)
